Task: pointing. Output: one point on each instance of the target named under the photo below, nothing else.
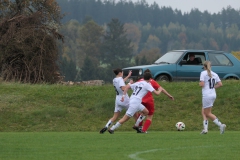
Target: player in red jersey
(148, 102)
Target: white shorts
(208, 102)
(133, 108)
(119, 106)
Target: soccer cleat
(222, 128)
(137, 129)
(111, 131)
(103, 130)
(204, 132)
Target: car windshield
(170, 57)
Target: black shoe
(103, 130)
(110, 131)
(142, 132)
(137, 129)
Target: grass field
(55, 122)
(127, 145)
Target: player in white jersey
(209, 81)
(119, 86)
(140, 89)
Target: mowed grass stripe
(119, 146)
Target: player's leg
(205, 123)
(148, 122)
(129, 113)
(117, 111)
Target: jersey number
(211, 83)
(137, 90)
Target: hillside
(35, 108)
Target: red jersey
(149, 97)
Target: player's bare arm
(201, 84)
(129, 74)
(219, 84)
(157, 92)
(166, 93)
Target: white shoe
(204, 132)
(222, 128)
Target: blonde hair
(207, 66)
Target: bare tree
(28, 37)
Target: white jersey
(118, 83)
(119, 105)
(208, 90)
(140, 89)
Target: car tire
(163, 78)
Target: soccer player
(209, 81)
(140, 89)
(148, 102)
(119, 86)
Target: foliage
(236, 54)
(143, 12)
(133, 33)
(116, 48)
(89, 70)
(68, 70)
(91, 35)
(28, 34)
(146, 57)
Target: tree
(134, 34)
(28, 36)
(89, 70)
(116, 50)
(91, 35)
(68, 70)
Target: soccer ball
(180, 126)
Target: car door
(190, 72)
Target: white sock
(108, 123)
(140, 119)
(217, 122)
(115, 126)
(205, 125)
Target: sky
(212, 6)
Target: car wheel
(163, 78)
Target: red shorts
(150, 107)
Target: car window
(198, 60)
(170, 57)
(202, 57)
(219, 60)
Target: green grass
(57, 108)
(125, 145)
(63, 122)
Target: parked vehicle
(173, 66)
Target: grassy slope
(25, 107)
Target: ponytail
(207, 66)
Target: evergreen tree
(116, 49)
(68, 70)
(89, 70)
